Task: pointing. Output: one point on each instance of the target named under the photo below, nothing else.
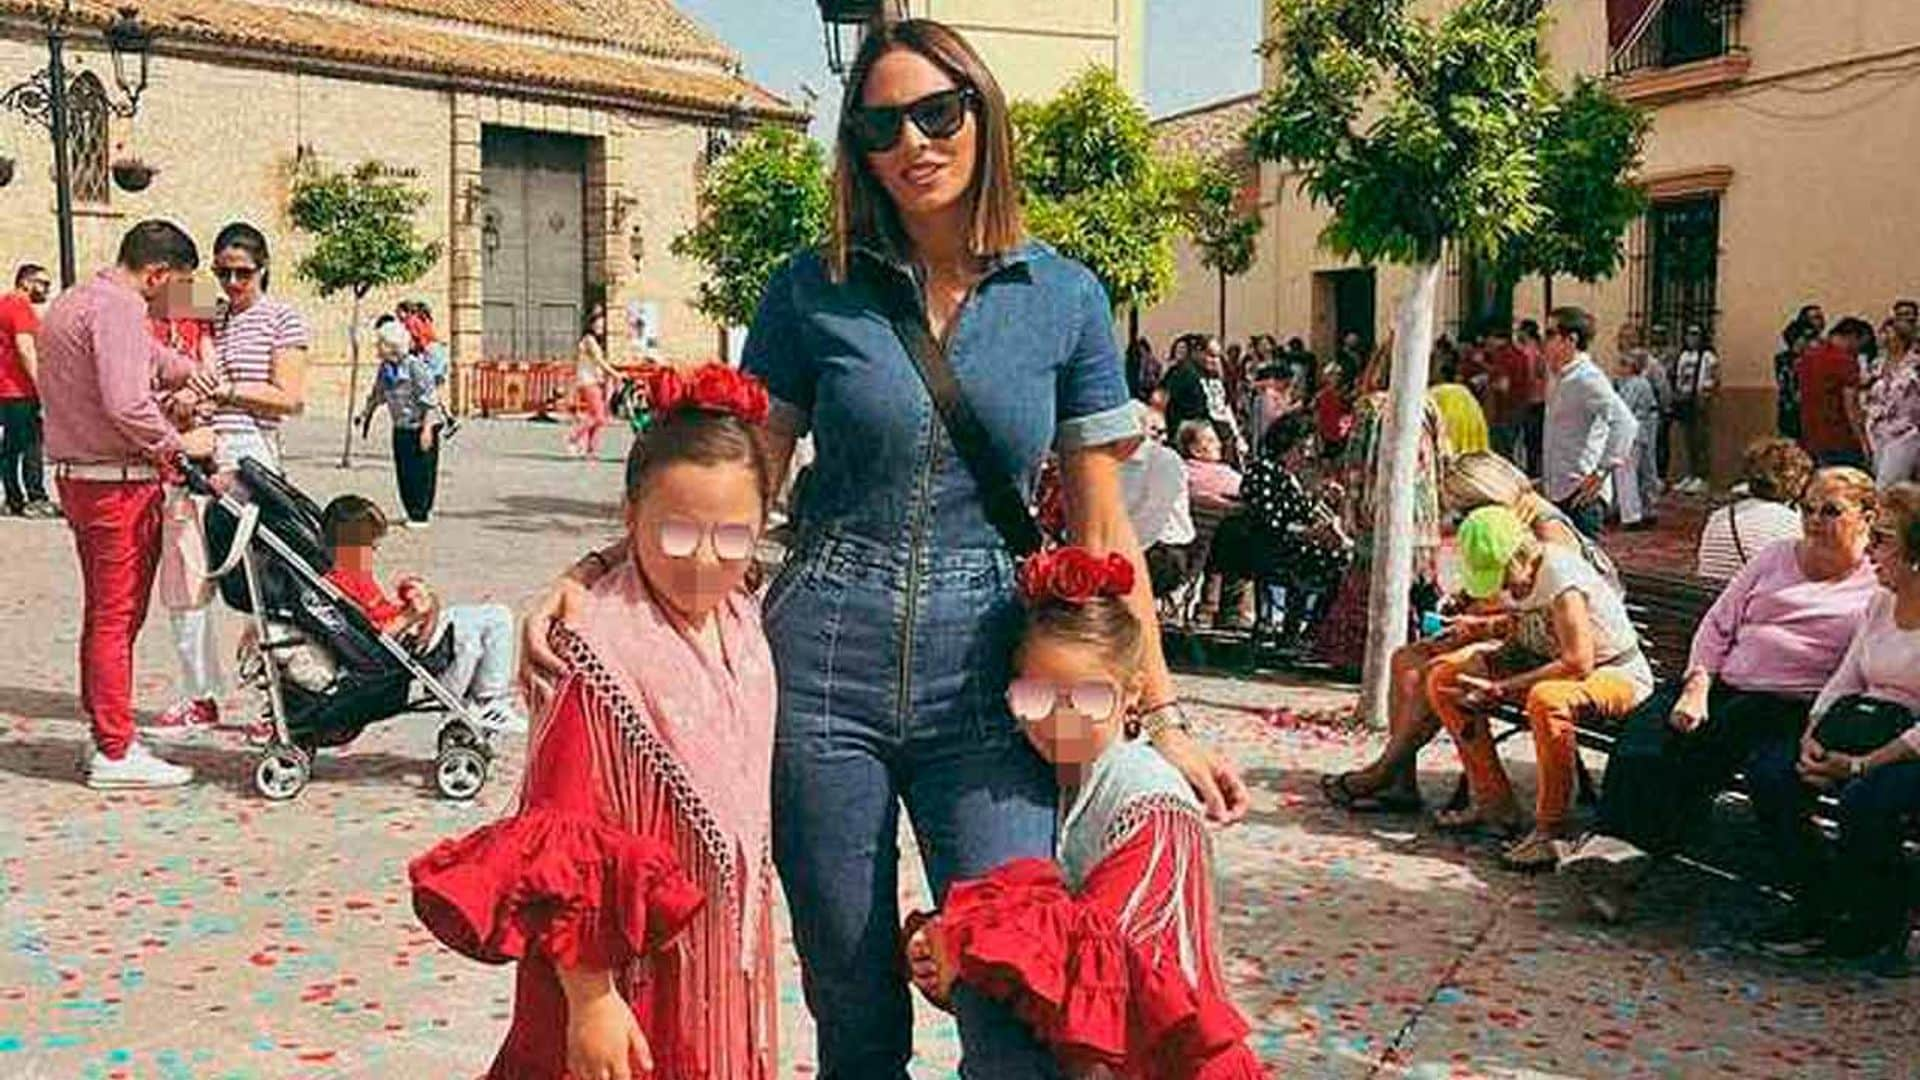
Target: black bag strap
(1733, 526)
(1006, 507)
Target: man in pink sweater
(108, 440)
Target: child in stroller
(327, 669)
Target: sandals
(1476, 819)
(1340, 793)
(1537, 851)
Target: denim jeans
(890, 693)
(482, 668)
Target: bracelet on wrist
(1161, 719)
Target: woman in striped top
(261, 345)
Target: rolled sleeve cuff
(1116, 425)
(785, 416)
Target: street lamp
(43, 100)
(846, 26)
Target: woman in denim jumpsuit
(894, 618)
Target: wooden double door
(533, 241)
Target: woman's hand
(604, 1041)
(1829, 770)
(426, 438)
(1691, 710)
(1214, 778)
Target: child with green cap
(1596, 669)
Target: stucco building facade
(1780, 166)
(560, 144)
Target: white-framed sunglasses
(680, 538)
(1033, 700)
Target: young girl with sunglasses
(633, 885)
(1110, 954)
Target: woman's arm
(1097, 520)
(284, 394)
(1573, 632)
(1714, 638)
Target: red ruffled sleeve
(1099, 976)
(554, 880)
(555, 885)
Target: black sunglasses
(875, 129)
(235, 273)
(1830, 511)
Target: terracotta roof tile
(364, 32)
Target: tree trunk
(1223, 308)
(1397, 460)
(1546, 297)
(1133, 325)
(353, 382)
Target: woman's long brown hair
(863, 212)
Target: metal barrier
(522, 387)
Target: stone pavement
(207, 933)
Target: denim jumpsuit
(894, 620)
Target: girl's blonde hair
(863, 212)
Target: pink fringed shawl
(683, 747)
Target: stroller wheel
(457, 733)
(460, 772)
(283, 772)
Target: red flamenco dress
(621, 858)
(1110, 955)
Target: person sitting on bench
(1595, 669)
(1766, 648)
(1861, 745)
(1389, 782)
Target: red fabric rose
(1074, 575)
(714, 388)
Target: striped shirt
(245, 343)
(1737, 532)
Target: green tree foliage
(767, 198)
(1224, 232)
(1587, 160)
(1094, 189)
(362, 222)
(1415, 132)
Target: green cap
(1487, 540)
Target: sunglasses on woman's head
(235, 273)
(1033, 700)
(680, 538)
(875, 129)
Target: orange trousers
(1551, 708)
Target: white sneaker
(138, 769)
(500, 716)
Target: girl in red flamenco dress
(1110, 953)
(633, 885)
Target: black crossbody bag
(1006, 507)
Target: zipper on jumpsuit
(917, 544)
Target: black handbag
(1857, 724)
(1005, 506)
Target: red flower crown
(714, 388)
(1073, 575)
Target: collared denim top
(1032, 349)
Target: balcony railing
(1683, 32)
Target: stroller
(326, 670)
